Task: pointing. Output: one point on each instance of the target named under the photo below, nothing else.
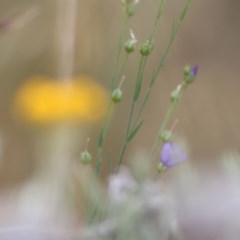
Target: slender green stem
(105, 128)
(119, 50)
(131, 126)
(102, 138)
(142, 106)
(117, 73)
(157, 19)
(165, 122)
(141, 68)
(173, 105)
(120, 73)
(156, 23)
(166, 119)
(115, 76)
(175, 29)
(155, 74)
(110, 163)
(92, 215)
(95, 206)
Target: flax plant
(125, 48)
(135, 123)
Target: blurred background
(209, 113)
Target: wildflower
(171, 154)
(194, 71)
(190, 73)
(42, 100)
(121, 186)
(139, 209)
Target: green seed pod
(131, 43)
(130, 46)
(85, 157)
(117, 95)
(130, 10)
(146, 48)
(187, 70)
(166, 136)
(161, 168)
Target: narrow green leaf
(174, 28)
(182, 16)
(134, 131)
(101, 138)
(137, 90)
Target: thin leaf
(183, 14)
(134, 131)
(101, 138)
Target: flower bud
(161, 168)
(186, 70)
(130, 10)
(190, 73)
(117, 95)
(129, 46)
(85, 157)
(194, 71)
(130, 6)
(166, 136)
(131, 43)
(146, 48)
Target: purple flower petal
(172, 154)
(194, 71)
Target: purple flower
(171, 154)
(194, 71)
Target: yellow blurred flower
(43, 100)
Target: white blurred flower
(142, 209)
(120, 186)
